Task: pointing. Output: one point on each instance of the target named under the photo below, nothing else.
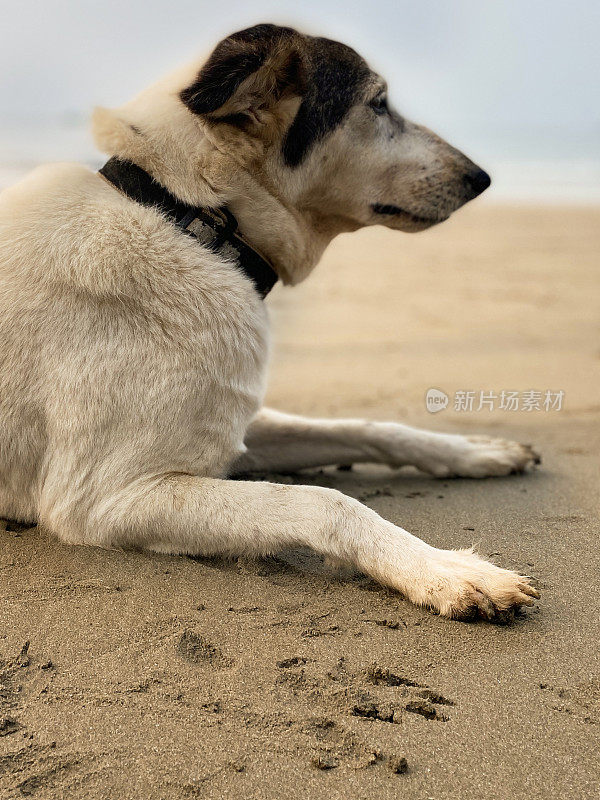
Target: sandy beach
(127, 675)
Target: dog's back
(27, 241)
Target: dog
(134, 354)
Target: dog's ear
(248, 71)
(336, 74)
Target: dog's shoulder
(45, 192)
(65, 224)
(73, 205)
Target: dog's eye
(379, 104)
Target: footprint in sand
(194, 647)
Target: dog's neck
(197, 164)
(215, 229)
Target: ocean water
(522, 176)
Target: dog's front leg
(206, 516)
(279, 442)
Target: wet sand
(157, 677)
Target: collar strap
(215, 228)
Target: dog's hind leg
(286, 443)
(180, 513)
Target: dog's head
(329, 140)
(295, 134)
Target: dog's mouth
(402, 216)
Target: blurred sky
(506, 80)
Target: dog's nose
(476, 181)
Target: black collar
(215, 228)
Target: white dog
(134, 335)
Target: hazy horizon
(512, 84)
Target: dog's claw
(529, 590)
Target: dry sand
(154, 677)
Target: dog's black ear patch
(233, 60)
(327, 75)
(336, 74)
(218, 81)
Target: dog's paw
(477, 457)
(464, 586)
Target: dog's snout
(476, 181)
